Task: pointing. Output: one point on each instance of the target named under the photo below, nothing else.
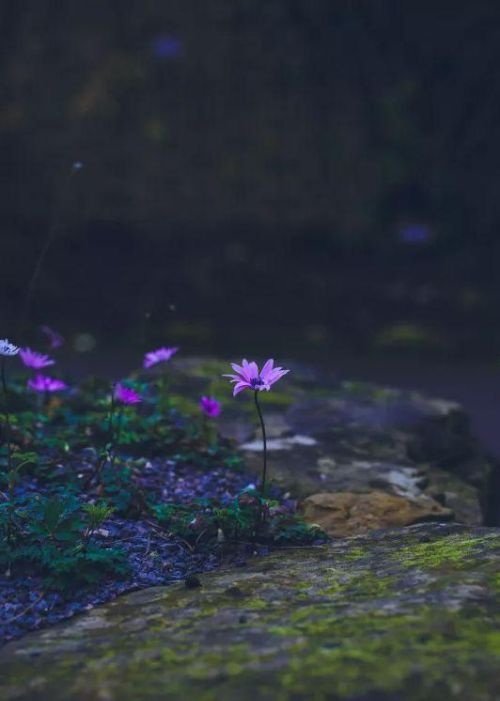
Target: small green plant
(53, 535)
(15, 462)
(54, 519)
(96, 514)
(207, 521)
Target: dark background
(307, 179)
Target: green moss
(256, 604)
(347, 655)
(495, 582)
(354, 554)
(309, 624)
(456, 550)
(340, 582)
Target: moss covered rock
(326, 437)
(410, 613)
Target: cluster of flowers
(124, 395)
(246, 376)
(35, 361)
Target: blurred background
(315, 180)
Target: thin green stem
(113, 434)
(111, 413)
(116, 435)
(9, 453)
(164, 403)
(110, 432)
(6, 413)
(119, 425)
(264, 440)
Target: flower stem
(165, 403)
(264, 440)
(100, 463)
(6, 413)
(10, 512)
(111, 412)
(117, 435)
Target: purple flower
(210, 406)
(248, 376)
(125, 395)
(55, 339)
(42, 383)
(161, 355)
(35, 360)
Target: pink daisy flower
(161, 355)
(125, 395)
(42, 383)
(32, 359)
(248, 376)
(210, 407)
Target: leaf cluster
(53, 536)
(247, 518)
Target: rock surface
(410, 613)
(348, 513)
(355, 437)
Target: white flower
(8, 348)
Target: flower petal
(253, 370)
(276, 374)
(240, 387)
(243, 369)
(267, 368)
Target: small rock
(192, 582)
(347, 513)
(235, 591)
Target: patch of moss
(495, 583)
(304, 625)
(456, 550)
(256, 604)
(354, 554)
(354, 655)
